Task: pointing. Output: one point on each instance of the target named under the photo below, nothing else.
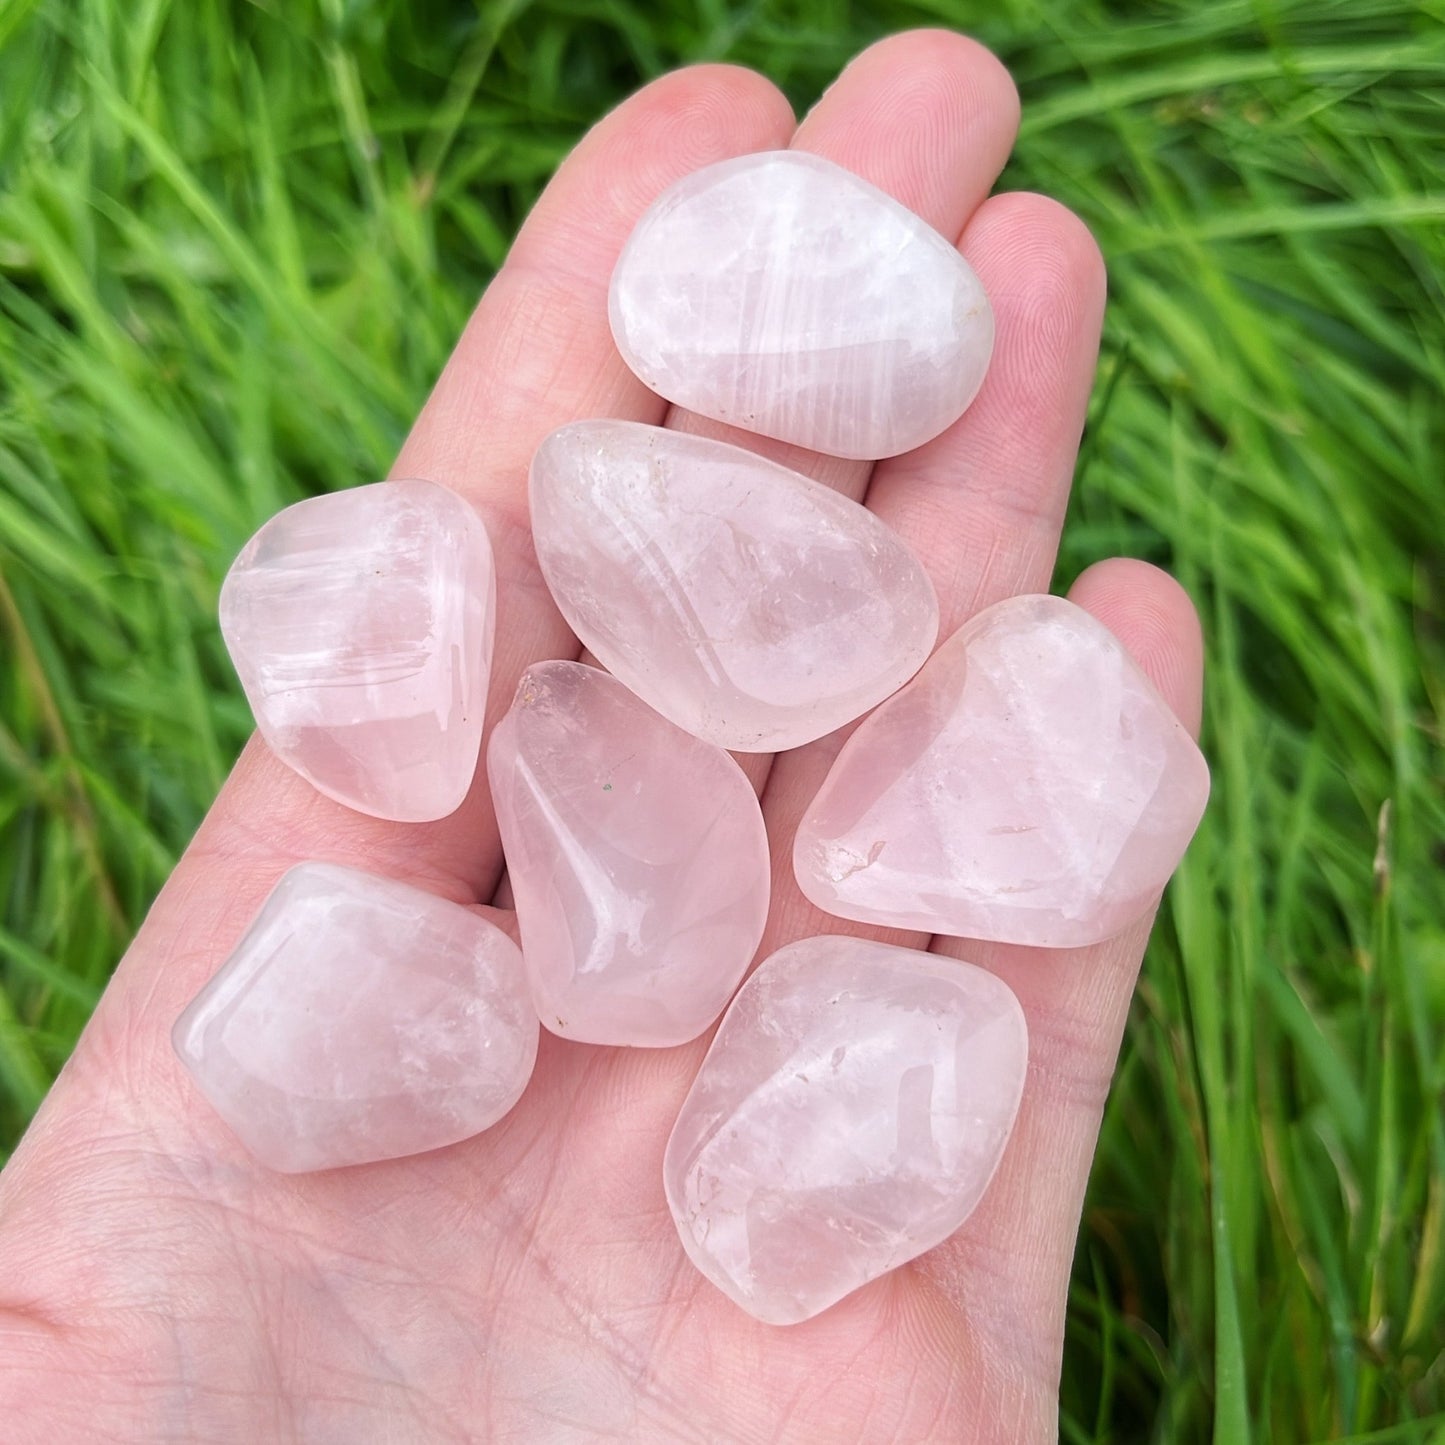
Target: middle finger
(929, 117)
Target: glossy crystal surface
(637, 858)
(851, 1111)
(751, 606)
(360, 1019)
(1028, 786)
(360, 624)
(785, 295)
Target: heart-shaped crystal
(360, 1019)
(360, 624)
(1029, 786)
(783, 294)
(849, 1116)
(637, 858)
(753, 607)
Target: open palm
(528, 1285)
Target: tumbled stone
(751, 606)
(783, 294)
(637, 857)
(360, 624)
(1029, 786)
(360, 1019)
(848, 1117)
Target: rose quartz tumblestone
(751, 606)
(783, 294)
(849, 1116)
(637, 858)
(361, 624)
(1028, 786)
(360, 1019)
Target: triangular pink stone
(1028, 786)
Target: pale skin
(528, 1285)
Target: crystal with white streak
(783, 294)
(849, 1116)
(360, 1019)
(637, 858)
(360, 624)
(1029, 786)
(750, 605)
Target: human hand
(528, 1284)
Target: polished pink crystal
(360, 624)
(783, 294)
(637, 858)
(751, 606)
(1028, 786)
(849, 1116)
(360, 1019)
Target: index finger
(536, 353)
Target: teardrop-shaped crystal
(783, 294)
(637, 857)
(849, 1116)
(753, 607)
(1029, 786)
(360, 624)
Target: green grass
(236, 241)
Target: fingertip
(676, 124)
(1156, 620)
(958, 62)
(929, 116)
(713, 106)
(1044, 273)
(1032, 214)
(539, 350)
(984, 501)
(934, 61)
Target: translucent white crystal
(360, 1019)
(753, 607)
(637, 858)
(783, 294)
(849, 1116)
(360, 624)
(1028, 786)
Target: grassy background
(236, 242)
